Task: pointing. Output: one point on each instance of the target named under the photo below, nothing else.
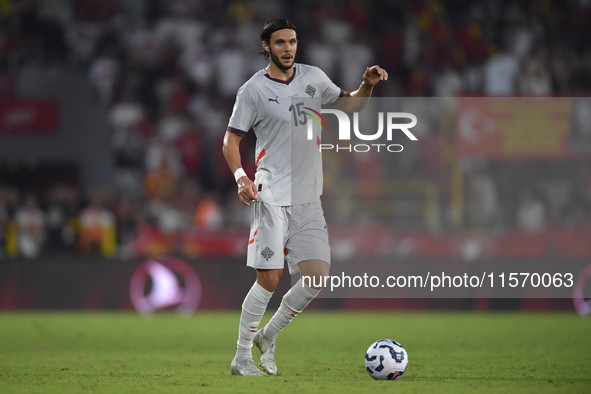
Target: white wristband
(239, 173)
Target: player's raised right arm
(247, 190)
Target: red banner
(513, 127)
(376, 242)
(29, 117)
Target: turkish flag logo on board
(511, 127)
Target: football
(386, 360)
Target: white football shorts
(295, 233)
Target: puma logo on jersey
(275, 99)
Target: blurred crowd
(531, 196)
(167, 72)
(65, 221)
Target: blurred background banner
(518, 128)
(112, 116)
(165, 282)
(29, 117)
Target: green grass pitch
(320, 352)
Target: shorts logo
(310, 90)
(267, 253)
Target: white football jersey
(288, 159)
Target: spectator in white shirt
(30, 223)
(530, 213)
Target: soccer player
(285, 225)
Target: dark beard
(277, 62)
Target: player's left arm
(371, 77)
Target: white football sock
(294, 302)
(253, 308)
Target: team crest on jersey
(310, 90)
(267, 253)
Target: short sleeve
(243, 114)
(331, 93)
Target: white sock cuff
(260, 293)
(309, 292)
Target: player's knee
(269, 279)
(314, 268)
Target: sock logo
(267, 253)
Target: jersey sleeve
(243, 113)
(331, 93)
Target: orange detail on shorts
(254, 235)
(318, 141)
(261, 155)
(285, 252)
